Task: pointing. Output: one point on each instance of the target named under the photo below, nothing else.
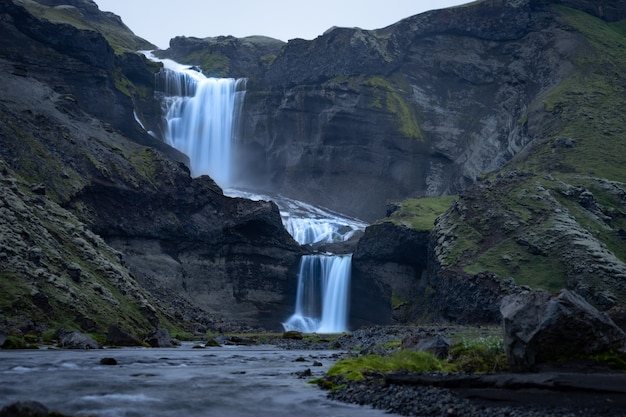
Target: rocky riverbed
(580, 388)
(572, 389)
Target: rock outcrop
(355, 118)
(540, 328)
(81, 176)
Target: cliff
(102, 223)
(501, 116)
(511, 105)
(355, 118)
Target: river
(232, 381)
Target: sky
(158, 21)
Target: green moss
(13, 342)
(509, 259)
(119, 37)
(213, 65)
(386, 97)
(586, 103)
(403, 360)
(464, 246)
(479, 355)
(420, 213)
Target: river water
(223, 381)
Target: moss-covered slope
(555, 216)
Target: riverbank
(581, 388)
(572, 389)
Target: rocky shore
(575, 388)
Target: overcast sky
(158, 21)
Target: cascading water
(201, 116)
(322, 300)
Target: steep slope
(551, 218)
(81, 176)
(554, 216)
(355, 118)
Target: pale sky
(158, 21)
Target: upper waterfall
(201, 117)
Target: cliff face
(128, 222)
(355, 118)
(511, 104)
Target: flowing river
(184, 381)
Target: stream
(173, 382)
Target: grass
(119, 37)
(420, 213)
(481, 351)
(386, 97)
(404, 360)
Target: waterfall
(322, 298)
(201, 116)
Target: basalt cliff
(482, 142)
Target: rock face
(539, 328)
(84, 177)
(355, 118)
(392, 260)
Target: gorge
(480, 144)
(202, 115)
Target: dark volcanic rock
(160, 338)
(539, 328)
(75, 340)
(67, 124)
(117, 336)
(389, 259)
(355, 118)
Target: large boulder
(75, 340)
(540, 328)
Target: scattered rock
(160, 338)
(119, 337)
(303, 374)
(75, 340)
(563, 143)
(212, 343)
(24, 409)
(293, 334)
(540, 328)
(437, 344)
(108, 361)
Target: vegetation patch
(420, 213)
(403, 360)
(386, 97)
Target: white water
(323, 290)
(201, 115)
(308, 224)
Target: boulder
(75, 340)
(540, 327)
(436, 344)
(24, 409)
(160, 338)
(120, 337)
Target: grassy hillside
(109, 25)
(555, 216)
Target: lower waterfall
(322, 298)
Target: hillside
(482, 142)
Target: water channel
(232, 381)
